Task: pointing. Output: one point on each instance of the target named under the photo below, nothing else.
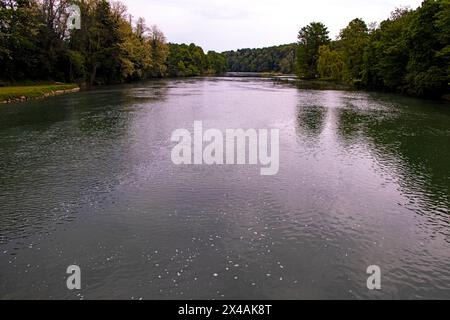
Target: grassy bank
(23, 93)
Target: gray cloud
(230, 24)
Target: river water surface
(87, 179)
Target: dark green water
(87, 179)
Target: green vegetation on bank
(190, 60)
(278, 59)
(110, 47)
(33, 91)
(407, 53)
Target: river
(87, 179)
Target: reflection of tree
(36, 115)
(153, 90)
(60, 153)
(108, 111)
(413, 140)
(311, 120)
(349, 124)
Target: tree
(386, 55)
(159, 52)
(20, 26)
(310, 38)
(330, 64)
(190, 60)
(271, 59)
(35, 43)
(216, 63)
(427, 41)
(410, 53)
(351, 45)
(443, 25)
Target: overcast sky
(233, 24)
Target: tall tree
(410, 53)
(159, 51)
(20, 26)
(310, 38)
(330, 64)
(352, 43)
(216, 63)
(387, 53)
(427, 41)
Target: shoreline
(9, 95)
(47, 91)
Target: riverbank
(25, 93)
(318, 84)
(323, 84)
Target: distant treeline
(36, 43)
(272, 59)
(190, 60)
(407, 53)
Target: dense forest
(272, 59)
(407, 53)
(36, 43)
(190, 60)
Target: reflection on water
(87, 179)
(311, 121)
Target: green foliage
(408, 53)
(428, 43)
(351, 45)
(330, 64)
(273, 59)
(386, 55)
(190, 60)
(35, 43)
(159, 51)
(310, 39)
(20, 26)
(217, 63)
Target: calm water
(87, 179)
